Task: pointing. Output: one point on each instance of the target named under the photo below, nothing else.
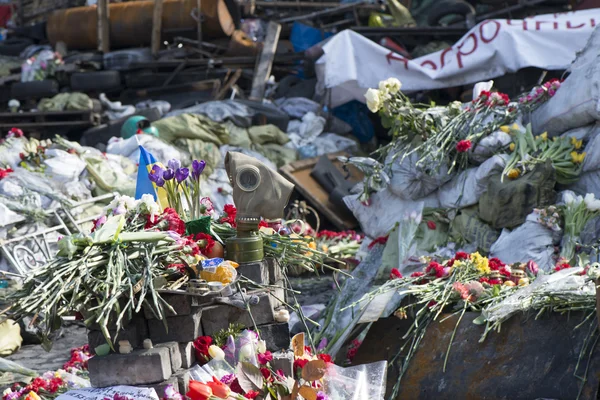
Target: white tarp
(352, 63)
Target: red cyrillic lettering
(433, 66)
(442, 61)
(574, 27)
(498, 26)
(524, 22)
(459, 54)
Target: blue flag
(143, 184)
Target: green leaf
(249, 376)
(481, 319)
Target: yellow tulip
(573, 140)
(582, 157)
(578, 144)
(577, 158)
(512, 147)
(505, 128)
(516, 127)
(513, 173)
(544, 136)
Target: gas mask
(258, 191)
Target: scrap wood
(265, 61)
(232, 81)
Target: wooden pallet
(45, 120)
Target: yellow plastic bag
(10, 337)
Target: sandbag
(199, 150)
(530, 241)
(489, 145)
(384, 211)
(238, 137)
(576, 103)
(585, 133)
(279, 155)
(191, 126)
(297, 107)
(592, 150)
(66, 102)
(429, 239)
(267, 134)
(588, 182)
(409, 181)
(507, 204)
(468, 228)
(248, 152)
(466, 188)
(62, 166)
(8, 217)
(10, 337)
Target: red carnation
(435, 268)
(14, 132)
(265, 358)
(325, 357)
(461, 255)
(252, 394)
(379, 240)
(266, 374)
(201, 345)
(463, 146)
(205, 242)
(4, 172)
(230, 214)
(495, 264)
(395, 274)
(431, 225)
(299, 364)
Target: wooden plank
(232, 81)
(103, 26)
(156, 26)
(199, 23)
(265, 61)
(299, 174)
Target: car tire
(95, 81)
(14, 47)
(449, 7)
(34, 90)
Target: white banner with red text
(352, 63)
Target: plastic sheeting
(410, 181)
(530, 241)
(297, 107)
(465, 188)
(380, 217)
(576, 103)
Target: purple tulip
(174, 164)
(197, 168)
(168, 174)
(181, 174)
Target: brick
(218, 317)
(283, 360)
(135, 333)
(141, 367)
(160, 387)
(277, 295)
(180, 329)
(182, 305)
(276, 335)
(174, 353)
(256, 271)
(275, 272)
(188, 354)
(183, 379)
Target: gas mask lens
(248, 178)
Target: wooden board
(299, 174)
(262, 71)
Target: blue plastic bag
(356, 114)
(303, 37)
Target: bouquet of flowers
(339, 245)
(528, 151)
(540, 94)
(438, 135)
(578, 211)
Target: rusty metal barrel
(131, 23)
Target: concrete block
(182, 305)
(112, 317)
(174, 353)
(160, 387)
(218, 317)
(276, 335)
(185, 328)
(141, 367)
(277, 295)
(188, 354)
(275, 272)
(283, 360)
(183, 379)
(256, 271)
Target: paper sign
(352, 63)
(109, 393)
